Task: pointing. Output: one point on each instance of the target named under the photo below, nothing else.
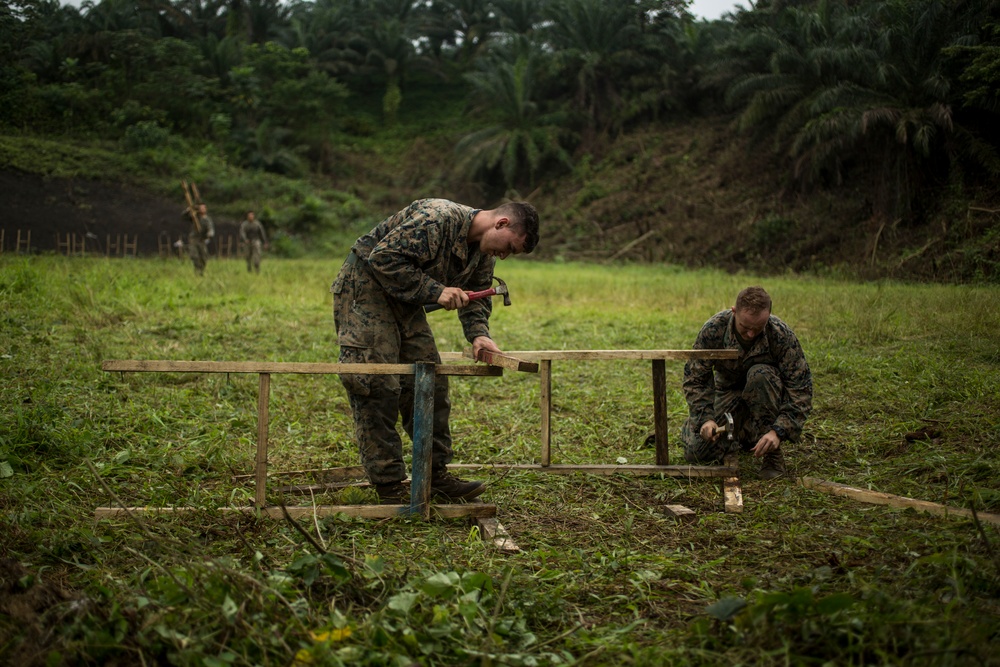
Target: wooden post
(263, 398)
(423, 438)
(660, 411)
(27, 242)
(3, 233)
(130, 246)
(62, 245)
(545, 369)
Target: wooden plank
(423, 440)
(328, 474)
(260, 464)
(566, 469)
(660, 411)
(321, 488)
(610, 355)
(681, 513)
(502, 360)
(732, 494)
(545, 408)
(493, 531)
(879, 498)
(170, 366)
(449, 511)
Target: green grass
(604, 578)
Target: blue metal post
(423, 438)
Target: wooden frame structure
(728, 472)
(424, 374)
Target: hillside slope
(691, 194)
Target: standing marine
(254, 239)
(767, 390)
(432, 251)
(201, 231)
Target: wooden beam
(879, 498)
(327, 474)
(545, 410)
(609, 355)
(732, 494)
(660, 411)
(450, 511)
(561, 469)
(493, 531)
(291, 367)
(260, 463)
(169, 366)
(503, 361)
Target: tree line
(904, 93)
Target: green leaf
(6, 470)
(402, 602)
(726, 608)
(831, 604)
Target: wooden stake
(493, 531)
(263, 397)
(681, 513)
(731, 491)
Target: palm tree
(594, 42)
(523, 139)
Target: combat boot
(447, 486)
(773, 465)
(393, 493)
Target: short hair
(524, 218)
(753, 299)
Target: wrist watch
(781, 433)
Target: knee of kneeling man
(762, 374)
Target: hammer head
(728, 427)
(502, 289)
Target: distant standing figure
(198, 237)
(768, 389)
(253, 236)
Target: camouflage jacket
(415, 253)
(205, 229)
(776, 346)
(252, 231)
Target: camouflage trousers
(754, 409)
(198, 251)
(375, 329)
(253, 255)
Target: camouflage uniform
(768, 387)
(252, 234)
(406, 261)
(197, 240)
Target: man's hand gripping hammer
(726, 428)
(499, 290)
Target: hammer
(726, 428)
(500, 289)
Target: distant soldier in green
(198, 237)
(768, 389)
(433, 251)
(254, 240)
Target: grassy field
(604, 577)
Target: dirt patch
(99, 214)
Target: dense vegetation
(906, 386)
(888, 104)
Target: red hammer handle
(430, 308)
(479, 295)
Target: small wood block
(502, 360)
(731, 491)
(493, 531)
(681, 513)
